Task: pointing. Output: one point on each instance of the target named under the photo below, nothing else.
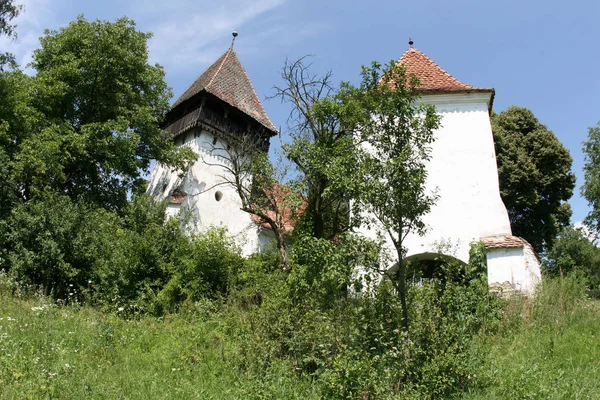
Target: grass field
(543, 350)
(76, 352)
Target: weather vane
(234, 34)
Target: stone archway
(426, 266)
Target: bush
(137, 261)
(351, 341)
(574, 252)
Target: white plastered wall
(463, 173)
(201, 209)
(517, 266)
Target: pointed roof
(227, 80)
(433, 78)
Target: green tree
(88, 123)
(573, 251)
(322, 149)
(535, 176)
(397, 139)
(8, 11)
(591, 187)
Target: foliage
(8, 11)
(591, 187)
(45, 244)
(397, 141)
(136, 261)
(87, 124)
(535, 175)
(573, 252)
(546, 347)
(345, 329)
(321, 127)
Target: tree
(322, 148)
(8, 11)
(573, 251)
(535, 175)
(591, 187)
(260, 186)
(397, 141)
(87, 125)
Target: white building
(219, 105)
(463, 171)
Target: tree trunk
(402, 289)
(283, 254)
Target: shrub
(574, 252)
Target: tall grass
(548, 347)
(75, 352)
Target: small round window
(218, 196)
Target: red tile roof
(283, 214)
(177, 197)
(227, 79)
(433, 78)
(503, 242)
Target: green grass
(546, 349)
(76, 352)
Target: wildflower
(121, 308)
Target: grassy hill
(544, 349)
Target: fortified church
(222, 103)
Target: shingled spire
(227, 80)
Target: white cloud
(584, 228)
(189, 34)
(36, 16)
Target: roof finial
(410, 42)
(234, 34)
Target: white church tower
(220, 105)
(463, 172)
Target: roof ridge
(254, 90)
(442, 69)
(219, 68)
(228, 80)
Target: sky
(542, 55)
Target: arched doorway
(427, 266)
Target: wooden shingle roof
(227, 79)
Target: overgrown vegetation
(102, 295)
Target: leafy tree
(573, 251)
(398, 140)
(591, 187)
(535, 176)
(322, 148)
(87, 124)
(8, 11)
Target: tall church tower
(220, 106)
(464, 174)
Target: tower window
(218, 196)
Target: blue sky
(542, 55)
